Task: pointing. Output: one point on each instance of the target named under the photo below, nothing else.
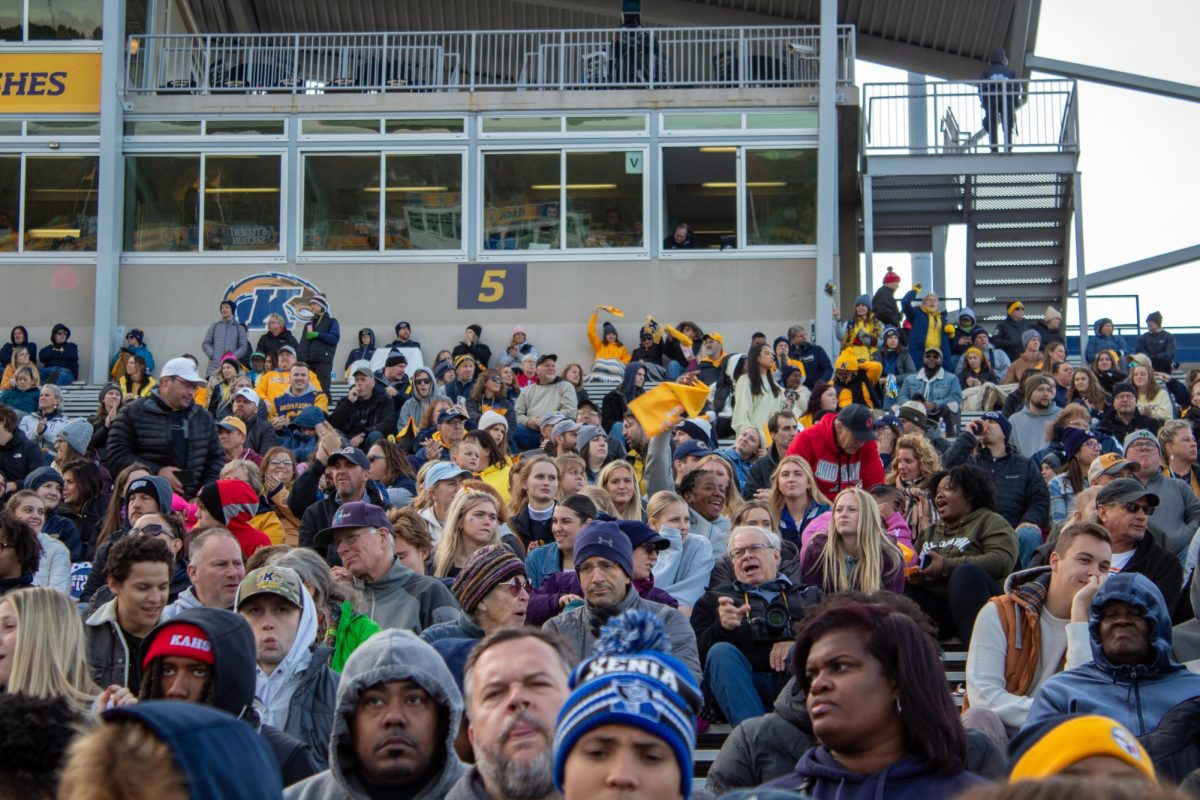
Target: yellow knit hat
(847, 361)
(974, 350)
(1076, 739)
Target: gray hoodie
(414, 407)
(404, 599)
(389, 655)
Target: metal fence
(971, 116)
(619, 58)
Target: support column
(869, 231)
(939, 261)
(1080, 272)
(918, 144)
(111, 191)
(827, 175)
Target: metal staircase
(1016, 205)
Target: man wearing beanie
(230, 504)
(148, 495)
(1029, 424)
(395, 721)
(1030, 359)
(630, 719)
(492, 591)
(1020, 637)
(1124, 417)
(1021, 494)
(1132, 676)
(1157, 343)
(604, 563)
(883, 304)
(1008, 333)
(206, 656)
(318, 339)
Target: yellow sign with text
(49, 83)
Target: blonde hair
(776, 502)
(632, 509)
(518, 477)
(50, 657)
(750, 505)
(565, 463)
(660, 502)
(1152, 387)
(424, 498)
(253, 473)
(476, 485)
(451, 547)
(121, 759)
(875, 550)
(600, 498)
(732, 498)
(927, 458)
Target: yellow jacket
(603, 349)
(873, 331)
(274, 383)
(10, 373)
(496, 476)
(143, 391)
(269, 523)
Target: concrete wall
(175, 304)
(39, 296)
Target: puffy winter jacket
(1098, 342)
(764, 748)
(321, 349)
(1008, 336)
(225, 336)
(143, 432)
(1021, 494)
(365, 415)
(1157, 345)
(19, 457)
(1137, 696)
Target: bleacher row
(80, 400)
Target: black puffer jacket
(142, 432)
(19, 457)
(764, 748)
(374, 413)
(1021, 494)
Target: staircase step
(1013, 254)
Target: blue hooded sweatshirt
(1136, 696)
(820, 776)
(219, 756)
(1097, 341)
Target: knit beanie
(1124, 387)
(138, 334)
(179, 639)
(442, 367)
(632, 681)
(487, 568)
(1053, 748)
(999, 419)
(476, 329)
(609, 328)
(489, 418)
(40, 476)
(1073, 439)
(1014, 305)
(1052, 313)
(698, 428)
(227, 500)
(1028, 335)
(974, 350)
(1036, 381)
(155, 487)
(863, 300)
(320, 300)
(585, 435)
(891, 278)
(606, 540)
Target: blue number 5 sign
(492, 286)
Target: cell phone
(924, 562)
(185, 476)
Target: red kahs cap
(180, 639)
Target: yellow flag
(664, 405)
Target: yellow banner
(664, 405)
(49, 83)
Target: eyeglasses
(153, 529)
(349, 538)
(280, 462)
(756, 548)
(1134, 508)
(1093, 444)
(517, 585)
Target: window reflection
(241, 202)
(781, 197)
(700, 189)
(604, 199)
(162, 207)
(10, 196)
(341, 202)
(60, 203)
(65, 19)
(521, 201)
(423, 204)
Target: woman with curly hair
(914, 462)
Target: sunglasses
(153, 529)
(422, 382)
(1134, 508)
(517, 585)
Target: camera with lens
(774, 624)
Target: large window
(733, 196)
(417, 195)
(60, 203)
(525, 193)
(60, 19)
(10, 196)
(164, 205)
(700, 189)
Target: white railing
(971, 116)
(621, 58)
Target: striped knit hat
(487, 568)
(633, 681)
(228, 500)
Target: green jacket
(982, 538)
(353, 629)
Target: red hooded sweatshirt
(235, 502)
(834, 467)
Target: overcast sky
(1140, 153)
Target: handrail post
(562, 50)
(207, 63)
(474, 60)
(296, 81)
(652, 65)
(741, 58)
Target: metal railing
(972, 117)
(618, 58)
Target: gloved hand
(310, 335)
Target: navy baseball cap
(640, 533)
(449, 414)
(360, 514)
(351, 454)
(691, 448)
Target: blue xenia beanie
(632, 680)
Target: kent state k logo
(256, 297)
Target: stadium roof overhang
(949, 39)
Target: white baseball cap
(181, 368)
(362, 366)
(247, 393)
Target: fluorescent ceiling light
(718, 149)
(244, 190)
(52, 233)
(391, 189)
(554, 186)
